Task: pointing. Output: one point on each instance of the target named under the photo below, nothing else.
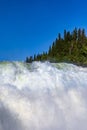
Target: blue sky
(30, 26)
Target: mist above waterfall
(43, 96)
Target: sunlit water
(43, 96)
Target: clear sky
(30, 26)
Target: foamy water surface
(42, 96)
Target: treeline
(72, 47)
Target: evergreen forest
(71, 48)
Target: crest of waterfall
(43, 96)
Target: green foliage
(71, 48)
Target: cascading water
(42, 96)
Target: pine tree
(65, 34)
(79, 34)
(59, 36)
(49, 51)
(74, 35)
(83, 38)
(27, 59)
(34, 57)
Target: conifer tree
(74, 34)
(65, 34)
(59, 36)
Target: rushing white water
(43, 96)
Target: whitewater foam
(43, 96)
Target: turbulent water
(43, 96)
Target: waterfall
(43, 96)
